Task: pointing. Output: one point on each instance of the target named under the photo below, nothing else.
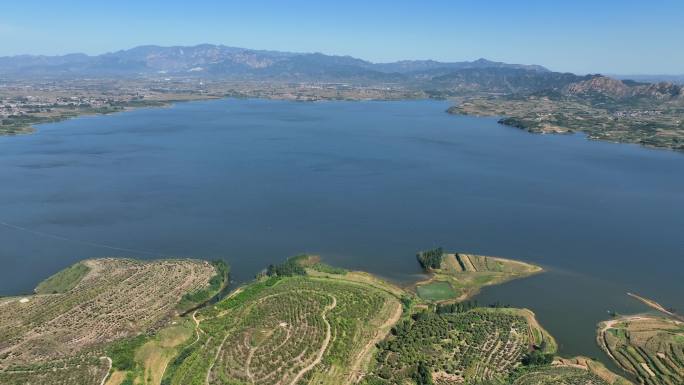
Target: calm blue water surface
(365, 184)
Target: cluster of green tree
(423, 374)
(288, 268)
(537, 357)
(246, 295)
(459, 307)
(431, 259)
(406, 302)
(215, 285)
(499, 305)
(457, 343)
(325, 268)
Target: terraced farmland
(471, 346)
(458, 276)
(100, 301)
(90, 370)
(651, 347)
(287, 331)
(559, 375)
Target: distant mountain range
(230, 63)
(227, 62)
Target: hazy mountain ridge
(223, 61)
(505, 80)
(429, 66)
(438, 79)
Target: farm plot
(458, 276)
(559, 375)
(76, 371)
(648, 346)
(436, 291)
(93, 305)
(479, 345)
(285, 331)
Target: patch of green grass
(64, 280)
(216, 283)
(437, 291)
(122, 352)
(325, 268)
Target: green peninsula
(458, 276)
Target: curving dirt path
(194, 313)
(216, 356)
(606, 325)
(198, 330)
(326, 342)
(301, 373)
(355, 373)
(109, 369)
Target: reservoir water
(364, 184)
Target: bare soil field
(112, 300)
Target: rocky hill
(621, 89)
(504, 80)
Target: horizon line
(339, 55)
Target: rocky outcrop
(618, 89)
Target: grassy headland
(458, 276)
(63, 280)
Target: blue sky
(614, 37)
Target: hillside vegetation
(299, 322)
(49, 337)
(471, 346)
(286, 330)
